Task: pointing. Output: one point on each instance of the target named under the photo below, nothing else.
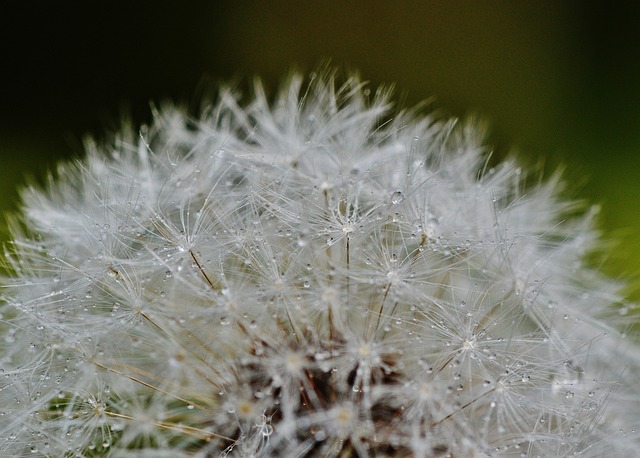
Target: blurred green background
(559, 81)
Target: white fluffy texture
(308, 277)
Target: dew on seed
(397, 198)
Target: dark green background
(559, 81)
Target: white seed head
(308, 276)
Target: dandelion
(313, 275)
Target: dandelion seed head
(310, 274)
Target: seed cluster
(308, 276)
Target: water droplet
(397, 198)
(306, 284)
(225, 321)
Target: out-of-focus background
(558, 81)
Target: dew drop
(397, 198)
